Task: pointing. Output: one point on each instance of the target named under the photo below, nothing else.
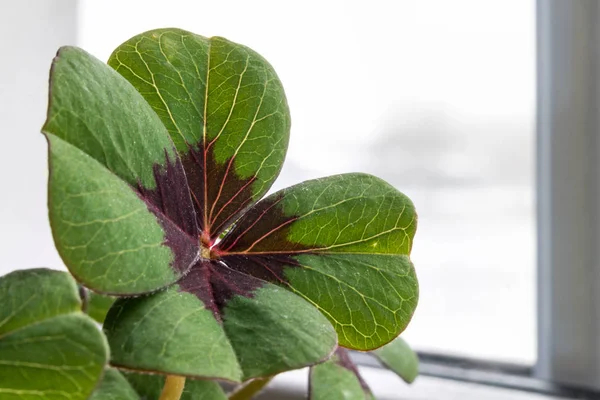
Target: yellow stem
(248, 390)
(173, 387)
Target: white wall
(31, 32)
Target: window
(436, 97)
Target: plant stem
(85, 299)
(247, 391)
(173, 387)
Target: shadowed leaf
(98, 305)
(114, 386)
(149, 387)
(400, 358)
(337, 379)
(48, 348)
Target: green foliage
(48, 348)
(158, 163)
(274, 321)
(150, 386)
(218, 96)
(337, 247)
(186, 133)
(98, 221)
(337, 379)
(114, 386)
(98, 305)
(400, 358)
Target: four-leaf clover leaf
(175, 141)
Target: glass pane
(436, 97)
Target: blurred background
(436, 97)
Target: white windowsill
(387, 386)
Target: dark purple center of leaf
(260, 230)
(177, 201)
(218, 194)
(169, 201)
(214, 284)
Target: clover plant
(159, 166)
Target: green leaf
(337, 379)
(249, 329)
(340, 242)
(122, 230)
(110, 161)
(114, 386)
(152, 160)
(150, 386)
(400, 358)
(225, 110)
(98, 305)
(48, 348)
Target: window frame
(496, 374)
(568, 192)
